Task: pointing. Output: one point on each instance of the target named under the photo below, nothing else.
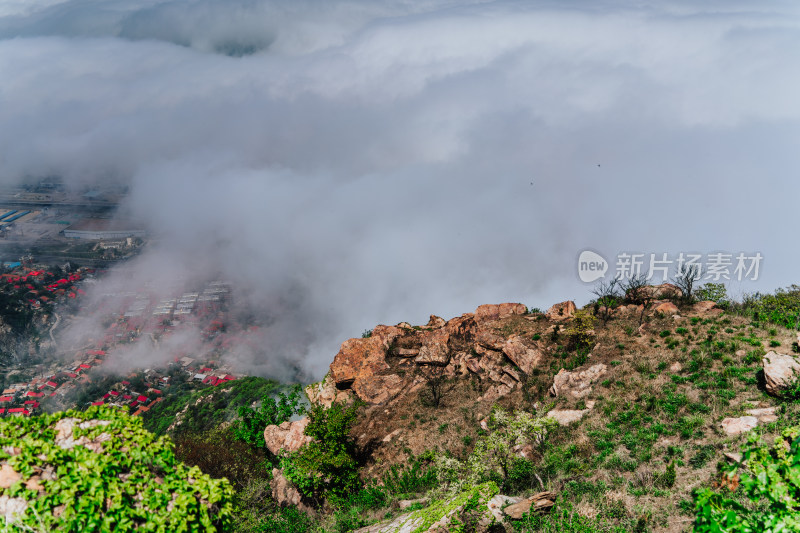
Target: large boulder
(538, 503)
(325, 393)
(665, 291)
(577, 383)
(706, 308)
(742, 424)
(565, 417)
(462, 327)
(435, 350)
(497, 311)
(561, 311)
(780, 372)
(526, 358)
(288, 436)
(435, 322)
(666, 309)
(360, 358)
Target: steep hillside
(648, 403)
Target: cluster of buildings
(25, 398)
(38, 286)
(129, 316)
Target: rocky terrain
(636, 392)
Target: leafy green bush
(326, 466)
(250, 427)
(716, 292)
(493, 458)
(781, 308)
(770, 481)
(99, 470)
(581, 330)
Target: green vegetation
(252, 421)
(327, 465)
(201, 410)
(781, 308)
(715, 292)
(580, 333)
(768, 498)
(130, 481)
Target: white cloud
(382, 161)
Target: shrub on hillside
(250, 427)
(715, 292)
(581, 331)
(327, 465)
(769, 482)
(99, 470)
(782, 308)
(493, 457)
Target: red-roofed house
(52, 384)
(113, 393)
(85, 366)
(156, 391)
(98, 403)
(19, 410)
(126, 383)
(6, 398)
(31, 394)
(2, 411)
(106, 396)
(127, 396)
(34, 403)
(142, 399)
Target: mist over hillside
(353, 162)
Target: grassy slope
(200, 410)
(608, 466)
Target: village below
(44, 370)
